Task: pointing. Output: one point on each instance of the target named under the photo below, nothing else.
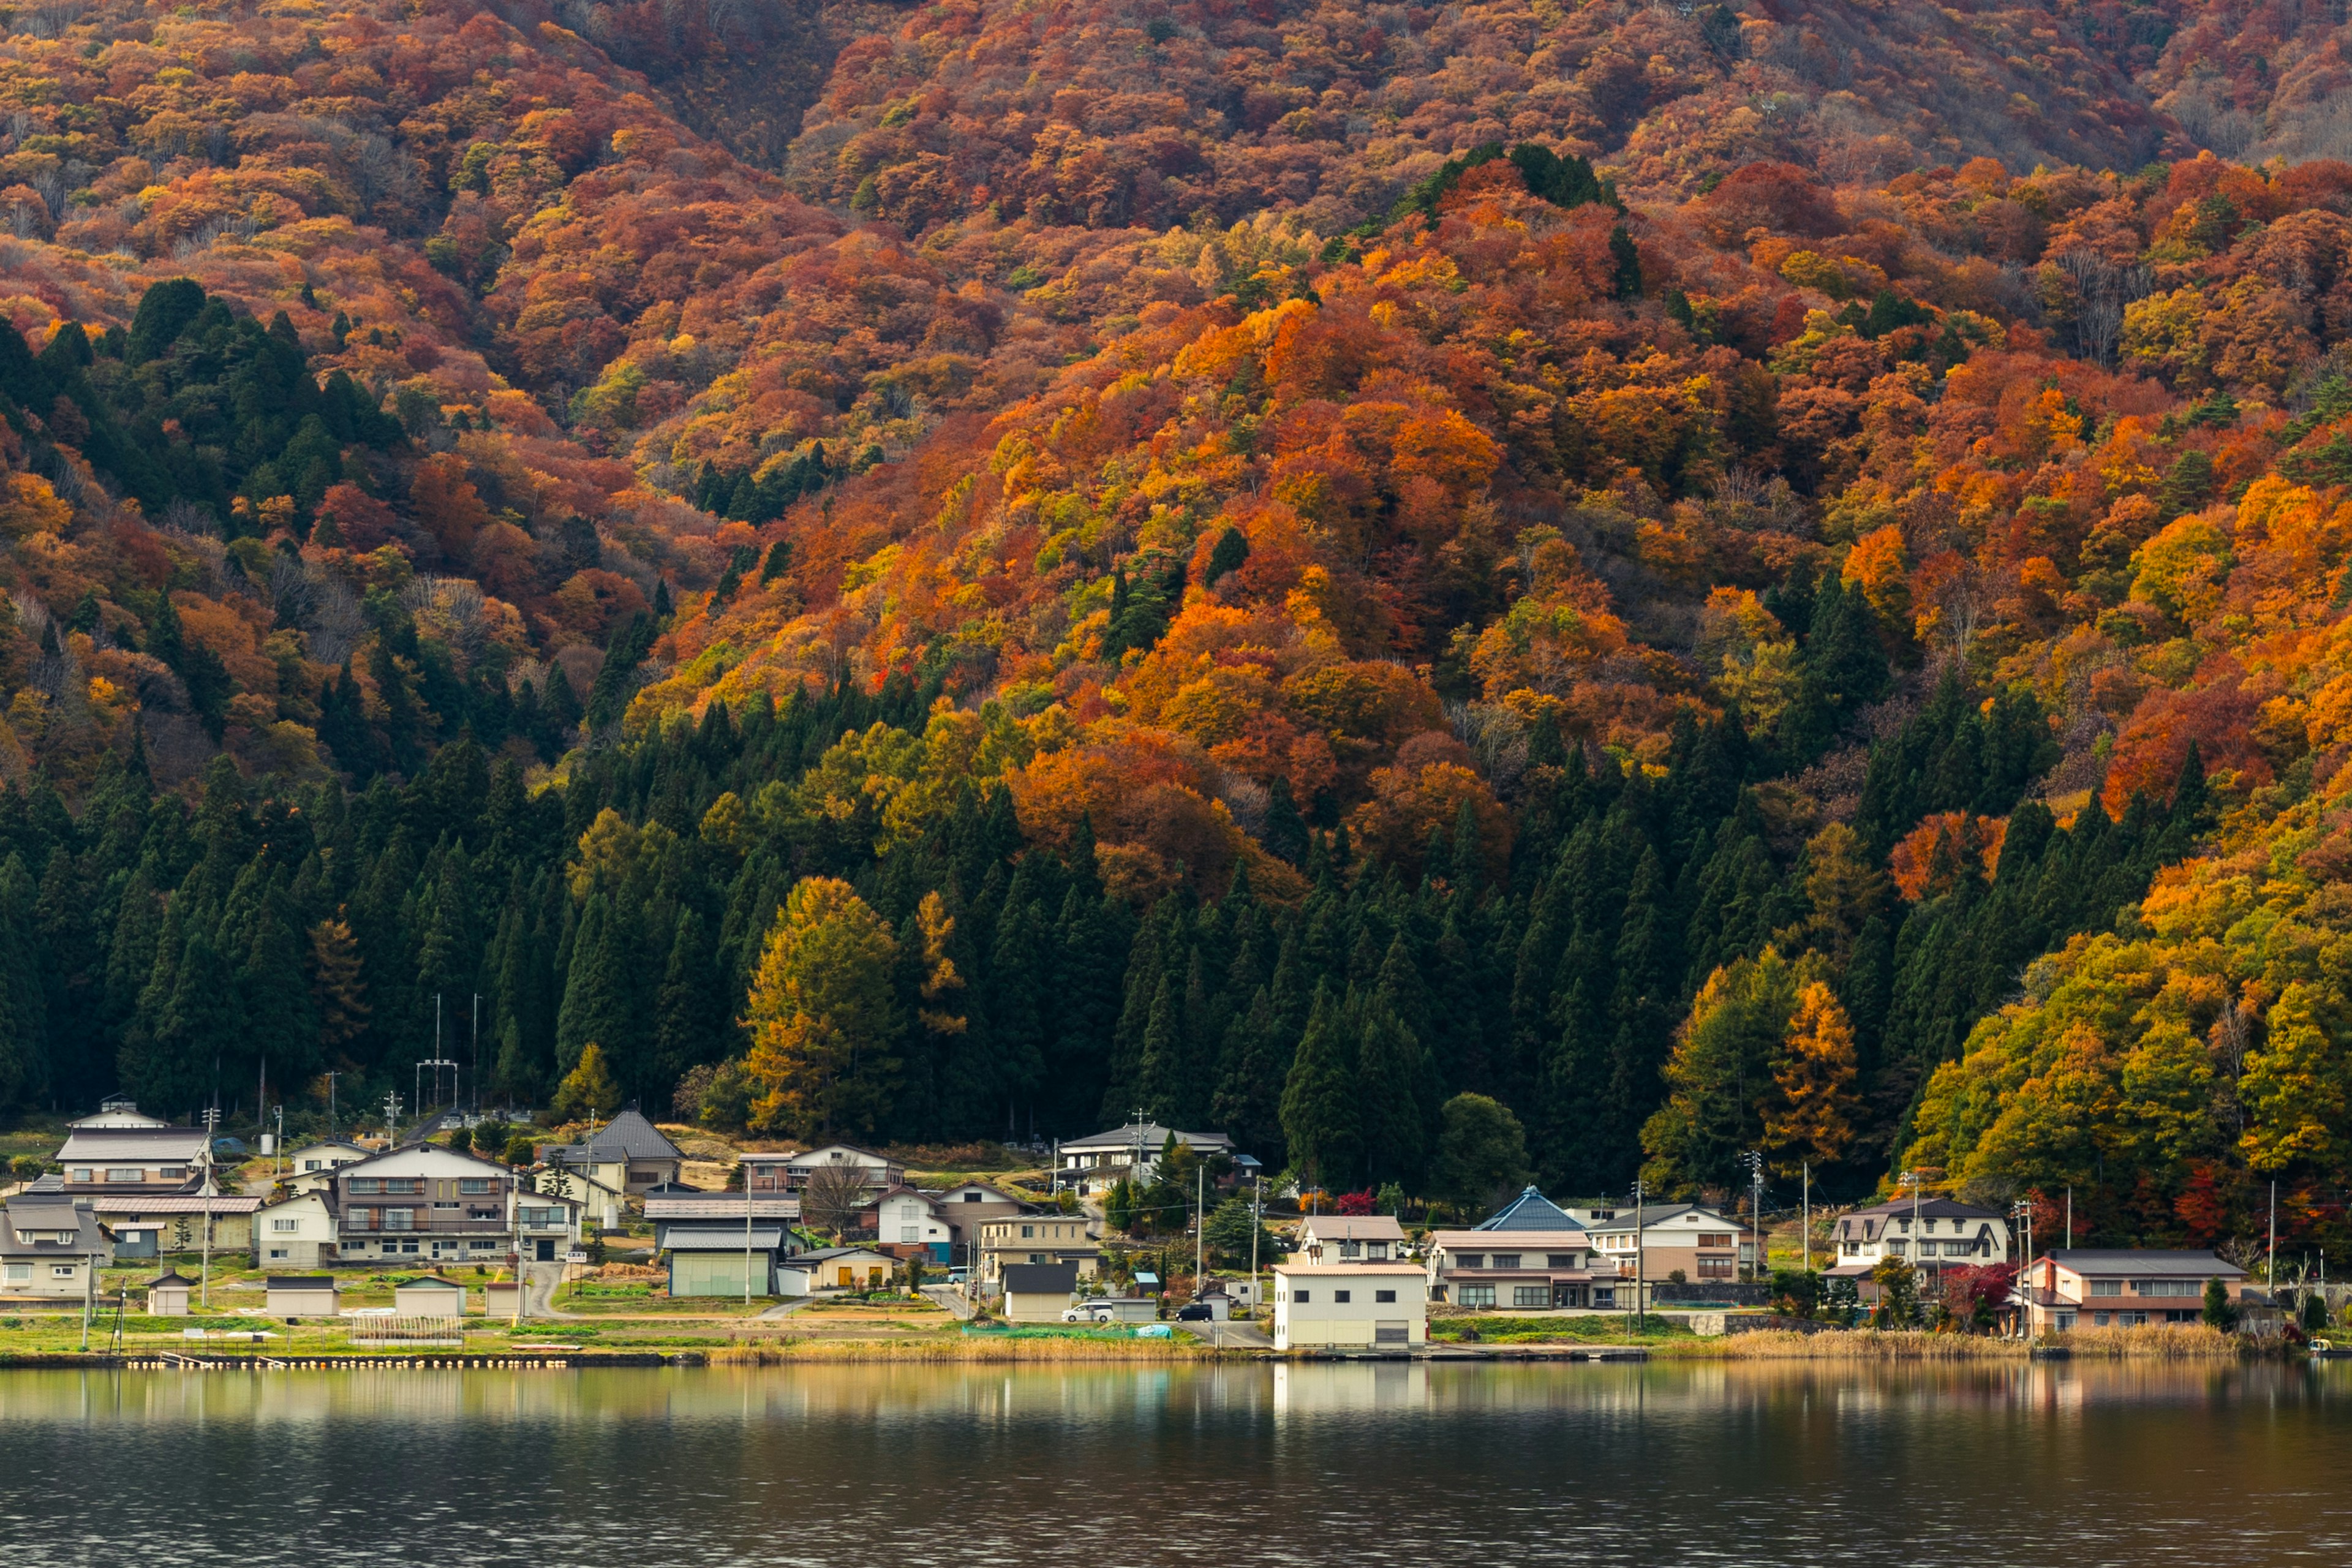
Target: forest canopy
(1759, 580)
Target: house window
(414, 1184)
(1028, 1231)
(2107, 1286)
(1559, 1260)
(910, 1233)
(1506, 1261)
(1531, 1295)
(1383, 1297)
(62, 1271)
(1716, 1269)
(78, 1174)
(474, 1185)
(285, 1226)
(366, 1185)
(2099, 1320)
(314, 1164)
(277, 1252)
(1301, 1297)
(125, 1173)
(1708, 1239)
(1476, 1295)
(172, 1173)
(1898, 1247)
(400, 1219)
(971, 1197)
(1377, 1251)
(1604, 1295)
(20, 1274)
(1470, 1260)
(1351, 1249)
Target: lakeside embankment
(2172, 1343)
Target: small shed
(430, 1296)
(502, 1299)
(1131, 1308)
(167, 1295)
(294, 1295)
(1038, 1293)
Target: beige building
(625, 1156)
(1349, 1306)
(1350, 1238)
(51, 1245)
(1531, 1255)
(313, 1167)
(1661, 1239)
(295, 1233)
(2074, 1288)
(150, 1226)
(1040, 1237)
(1038, 1293)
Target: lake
(1342, 1463)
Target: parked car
(1194, 1312)
(1086, 1312)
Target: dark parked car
(1194, 1312)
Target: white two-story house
(1932, 1234)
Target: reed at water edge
(2161, 1342)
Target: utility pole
(391, 1120)
(1807, 1221)
(1257, 1222)
(478, 1066)
(1754, 1161)
(331, 1103)
(747, 1239)
(204, 1286)
(1641, 1257)
(1200, 1223)
(278, 1154)
(2069, 1216)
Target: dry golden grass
(2173, 1341)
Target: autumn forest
(1666, 582)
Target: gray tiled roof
(1040, 1278)
(628, 1136)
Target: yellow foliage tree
(1814, 1119)
(823, 1014)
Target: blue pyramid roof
(1530, 1211)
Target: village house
(295, 1232)
(1038, 1237)
(1095, 1165)
(1038, 1293)
(2070, 1288)
(905, 1218)
(841, 1269)
(149, 1225)
(1666, 1239)
(51, 1245)
(879, 1171)
(116, 1113)
(1933, 1234)
(700, 1210)
(965, 1207)
(423, 1204)
(1350, 1238)
(547, 1225)
(1355, 1306)
(624, 1156)
(313, 1167)
(141, 1160)
(1529, 1255)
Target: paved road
(1229, 1336)
(951, 1298)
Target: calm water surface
(1343, 1464)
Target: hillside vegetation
(1756, 579)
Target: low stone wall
(1716, 1324)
